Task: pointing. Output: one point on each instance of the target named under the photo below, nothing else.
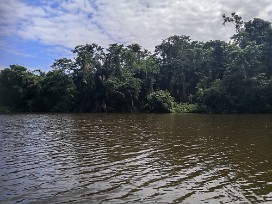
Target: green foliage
(214, 99)
(213, 76)
(160, 102)
(58, 92)
(122, 95)
(17, 88)
(185, 108)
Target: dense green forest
(182, 75)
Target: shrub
(160, 102)
(186, 108)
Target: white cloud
(73, 22)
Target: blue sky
(35, 32)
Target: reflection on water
(144, 158)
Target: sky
(33, 33)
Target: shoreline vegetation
(181, 76)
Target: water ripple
(82, 158)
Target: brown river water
(135, 158)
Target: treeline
(182, 75)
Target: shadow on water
(124, 158)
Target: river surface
(135, 158)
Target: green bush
(186, 108)
(160, 102)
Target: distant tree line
(180, 76)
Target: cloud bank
(67, 23)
